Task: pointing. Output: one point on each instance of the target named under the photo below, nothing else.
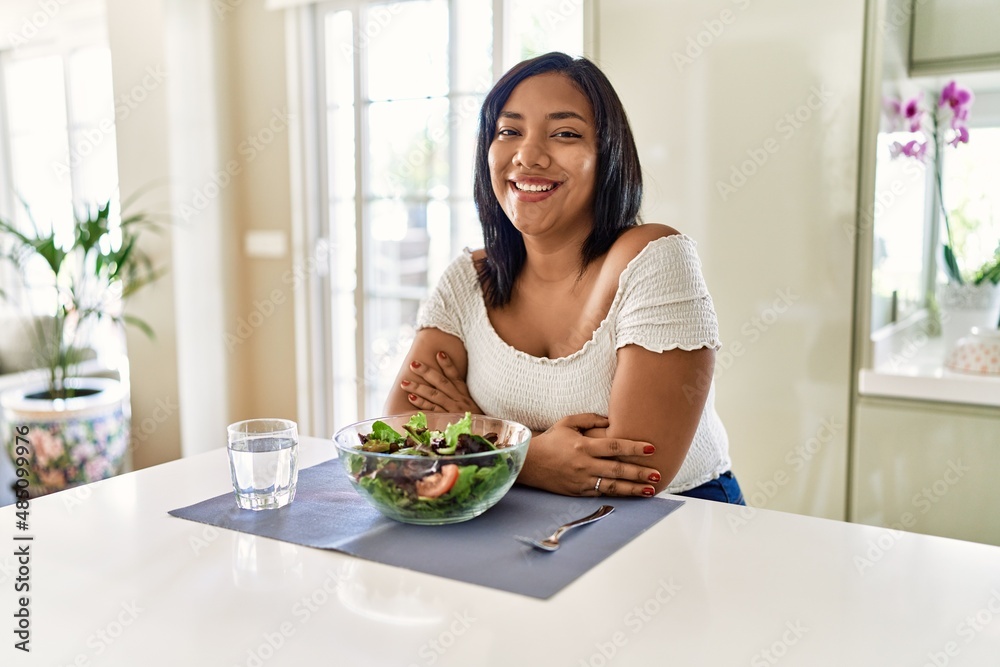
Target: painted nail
(648, 449)
(405, 383)
(442, 355)
(654, 477)
(415, 364)
(412, 397)
(648, 491)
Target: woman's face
(543, 159)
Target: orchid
(943, 124)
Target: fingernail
(412, 397)
(415, 364)
(442, 355)
(654, 477)
(648, 449)
(648, 491)
(405, 383)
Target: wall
(263, 352)
(746, 116)
(212, 139)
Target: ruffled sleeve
(449, 299)
(665, 302)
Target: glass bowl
(434, 490)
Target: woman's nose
(531, 154)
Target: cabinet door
(928, 470)
(955, 35)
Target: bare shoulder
(634, 239)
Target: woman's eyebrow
(555, 115)
(563, 115)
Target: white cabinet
(955, 35)
(928, 469)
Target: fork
(551, 543)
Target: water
(264, 471)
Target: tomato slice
(439, 483)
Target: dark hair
(618, 190)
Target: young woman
(596, 332)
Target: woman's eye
(568, 134)
(506, 132)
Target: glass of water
(263, 461)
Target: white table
(117, 581)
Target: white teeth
(524, 187)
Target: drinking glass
(263, 461)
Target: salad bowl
(433, 469)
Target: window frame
(315, 323)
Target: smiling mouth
(532, 187)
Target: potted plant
(77, 428)
(970, 296)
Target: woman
(596, 332)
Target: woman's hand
(566, 461)
(440, 389)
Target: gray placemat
(328, 513)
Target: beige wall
(259, 106)
(214, 140)
(709, 87)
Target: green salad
(425, 481)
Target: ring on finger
(597, 487)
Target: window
(970, 183)
(400, 85)
(59, 147)
(908, 231)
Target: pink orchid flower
(911, 148)
(956, 97)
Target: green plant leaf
(92, 278)
(951, 265)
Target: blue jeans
(725, 489)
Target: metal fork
(551, 543)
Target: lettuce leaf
(452, 431)
(385, 433)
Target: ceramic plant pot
(966, 306)
(72, 441)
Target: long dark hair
(618, 191)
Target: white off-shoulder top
(662, 303)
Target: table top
(115, 580)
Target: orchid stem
(940, 193)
